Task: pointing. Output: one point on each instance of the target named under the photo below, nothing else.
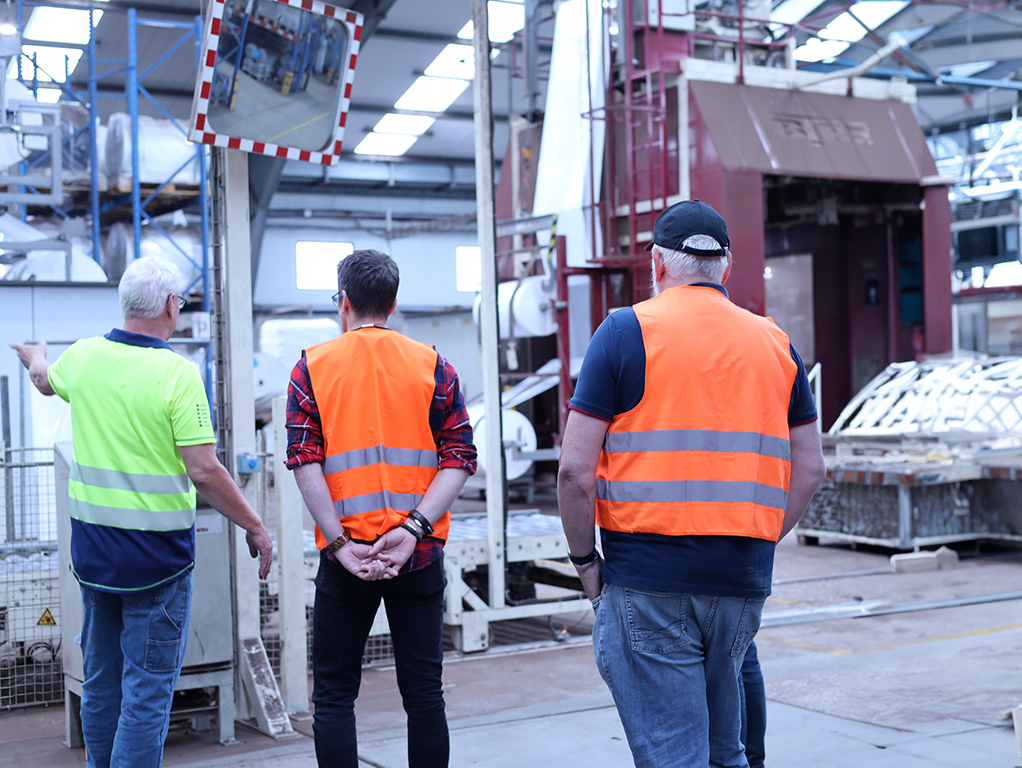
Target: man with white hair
(142, 437)
(691, 443)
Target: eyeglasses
(336, 298)
(181, 301)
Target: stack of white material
(183, 248)
(162, 149)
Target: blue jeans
(341, 620)
(753, 709)
(133, 645)
(671, 662)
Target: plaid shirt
(448, 420)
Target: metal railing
(31, 670)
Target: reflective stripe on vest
(379, 454)
(131, 500)
(672, 491)
(129, 481)
(698, 440)
(380, 451)
(132, 519)
(706, 450)
(372, 502)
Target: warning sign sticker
(46, 620)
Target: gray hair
(681, 265)
(146, 285)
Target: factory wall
(427, 264)
(56, 313)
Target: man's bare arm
(33, 357)
(576, 491)
(217, 487)
(807, 471)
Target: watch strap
(590, 558)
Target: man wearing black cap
(691, 443)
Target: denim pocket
(656, 621)
(748, 626)
(164, 641)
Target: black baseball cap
(683, 220)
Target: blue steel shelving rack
(133, 88)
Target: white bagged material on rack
(120, 249)
(162, 150)
(51, 266)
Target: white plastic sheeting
(162, 150)
(48, 265)
(565, 179)
(185, 251)
(980, 396)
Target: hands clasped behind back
(381, 560)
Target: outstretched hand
(27, 352)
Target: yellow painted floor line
(847, 651)
(307, 122)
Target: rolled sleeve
(305, 443)
(449, 420)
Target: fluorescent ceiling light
(61, 25)
(410, 125)
(50, 60)
(392, 144)
(845, 30)
(968, 69)
(431, 94)
(504, 18)
(458, 61)
(49, 95)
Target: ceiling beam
(366, 190)
(450, 114)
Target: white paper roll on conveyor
(531, 304)
(517, 430)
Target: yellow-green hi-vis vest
(133, 402)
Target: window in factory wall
(469, 265)
(316, 264)
(284, 338)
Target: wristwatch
(337, 543)
(590, 558)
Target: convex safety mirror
(275, 77)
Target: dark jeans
(342, 618)
(753, 709)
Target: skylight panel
(392, 144)
(505, 18)
(793, 11)
(61, 25)
(49, 95)
(431, 94)
(50, 60)
(845, 29)
(873, 13)
(410, 125)
(819, 50)
(457, 61)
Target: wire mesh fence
(30, 660)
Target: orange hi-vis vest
(706, 451)
(373, 388)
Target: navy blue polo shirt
(612, 382)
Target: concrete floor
(924, 688)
